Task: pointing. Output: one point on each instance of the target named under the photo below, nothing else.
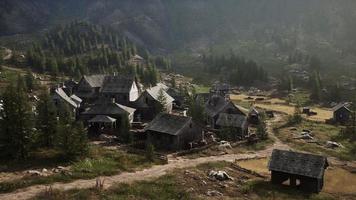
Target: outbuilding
(304, 171)
(172, 132)
(341, 113)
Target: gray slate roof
(95, 81)
(117, 84)
(169, 124)
(63, 96)
(308, 165)
(216, 104)
(102, 119)
(231, 120)
(76, 99)
(341, 105)
(108, 108)
(154, 93)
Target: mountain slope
(257, 28)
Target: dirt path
(147, 174)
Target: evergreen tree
(17, 125)
(47, 120)
(124, 130)
(196, 109)
(162, 102)
(30, 80)
(72, 140)
(316, 87)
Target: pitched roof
(62, 95)
(217, 104)
(155, 92)
(308, 165)
(169, 124)
(117, 84)
(231, 120)
(162, 86)
(95, 80)
(102, 119)
(341, 105)
(254, 111)
(137, 57)
(76, 99)
(108, 108)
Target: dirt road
(147, 174)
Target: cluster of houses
(101, 102)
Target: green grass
(300, 97)
(100, 162)
(163, 188)
(202, 89)
(322, 133)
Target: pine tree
(124, 130)
(47, 120)
(196, 109)
(17, 125)
(72, 140)
(162, 102)
(30, 80)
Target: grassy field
(337, 179)
(201, 89)
(280, 105)
(100, 162)
(193, 183)
(321, 133)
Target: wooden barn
(237, 123)
(172, 132)
(147, 104)
(341, 113)
(122, 88)
(89, 87)
(217, 105)
(304, 171)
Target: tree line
(235, 69)
(27, 126)
(80, 48)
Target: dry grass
(280, 105)
(337, 180)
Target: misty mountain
(257, 28)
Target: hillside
(267, 30)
